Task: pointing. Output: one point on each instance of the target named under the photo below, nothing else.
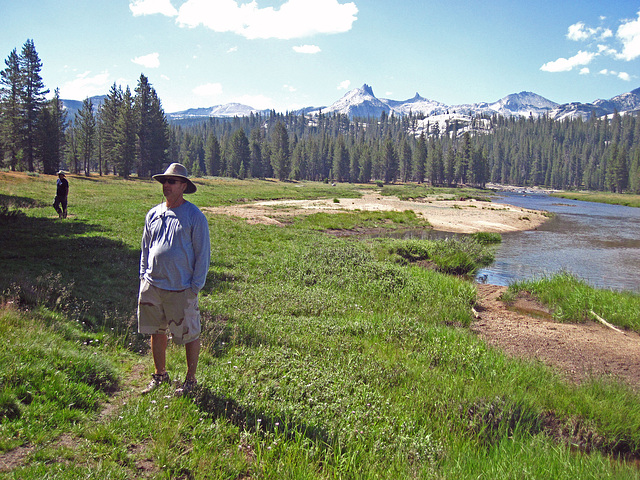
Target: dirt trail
(579, 351)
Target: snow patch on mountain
(227, 110)
(362, 102)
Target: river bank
(456, 216)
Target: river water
(598, 243)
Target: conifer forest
(128, 133)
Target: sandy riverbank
(458, 216)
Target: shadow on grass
(248, 419)
(100, 274)
(13, 201)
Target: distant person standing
(173, 268)
(62, 192)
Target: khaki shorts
(164, 312)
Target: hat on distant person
(61, 172)
(176, 170)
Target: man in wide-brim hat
(176, 170)
(62, 193)
(173, 268)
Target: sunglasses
(171, 181)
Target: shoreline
(454, 216)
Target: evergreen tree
(419, 159)
(11, 124)
(280, 158)
(125, 136)
(107, 118)
(53, 124)
(86, 130)
(405, 160)
(240, 154)
(340, 160)
(32, 99)
(256, 169)
(389, 161)
(449, 166)
(152, 129)
(212, 156)
(354, 165)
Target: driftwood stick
(604, 322)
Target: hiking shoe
(157, 379)
(186, 388)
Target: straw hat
(176, 170)
(61, 172)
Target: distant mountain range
(361, 102)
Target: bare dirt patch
(456, 216)
(579, 351)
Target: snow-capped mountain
(227, 110)
(362, 102)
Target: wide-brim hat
(177, 170)
(61, 172)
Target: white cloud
(568, 64)
(624, 76)
(289, 88)
(232, 49)
(607, 50)
(150, 7)
(344, 85)
(307, 49)
(86, 85)
(584, 71)
(148, 61)
(629, 34)
(294, 18)
(208, 90)
(577, 32)
(580, 32)
(604, 71)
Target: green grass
(573, 300)
(323, 357)
(627, 199)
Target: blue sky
(287, 54)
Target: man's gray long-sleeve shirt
(175, 248)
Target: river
(598, 243)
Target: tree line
(129, 133)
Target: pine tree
(152, 128)
(32, 99)
(240, 154)
(255, 145)
(107, 118)
(85, 122)
(10, 110)
(340, 160)
(212, 156)
(53, 124)
(389, 161)
(419, 159)
(125, 136)
(280, 158)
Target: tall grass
(573, 300)
(322, 357)
(626, 199)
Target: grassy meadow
(323, 357)
(626, 199)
